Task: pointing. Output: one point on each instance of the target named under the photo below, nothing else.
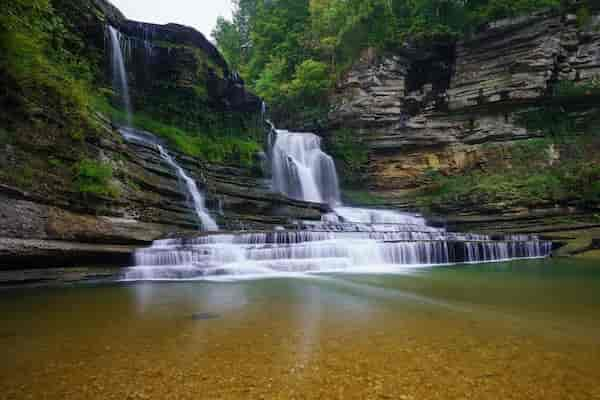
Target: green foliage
(560, 121)
(362, 198)
(486, 11)
(45, 76)
(583, 17)
(211, 147)
(273, 42)
(272, 82)
(55, 162)
(229, 41)
(351, 155)
(551, 121)
(530, 181)
(311, 81)
(576, 89)
(93, 177)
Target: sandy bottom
(523, 330)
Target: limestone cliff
(439, 107)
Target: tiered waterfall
(347, 239)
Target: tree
(227, 38)
(311, 82)
(243, 15)
(272, 83)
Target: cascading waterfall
(346, 239)
(121, 85)
(301, 170)
(195, 196)
(208, 224)
(232, 256)
(119, 72)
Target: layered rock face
(439, 108)
(174, 71)
(181, 61)
(51, 224)
(46, 221)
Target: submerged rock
(202, 316)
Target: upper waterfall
(301, 170)
(119, 73)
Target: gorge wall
(438, 107)
(449, 108)
(444, 107)
(46, 220)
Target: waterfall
(301, 170)
(197, 199)
(347, 239)
(121, 85)
(119, 73)
(195, 196)
(263, 254)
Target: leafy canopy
(291, 50)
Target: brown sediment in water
(488, 332)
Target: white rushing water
(301, 170)
(347, 239)
(121, 85)
(266, 254)
(119, 72)
(197, 199)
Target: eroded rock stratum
(439, 107)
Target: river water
(527, 329)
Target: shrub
(571, 182)
(583, 17)
(48, 78)
(93, 177)
(570, 88)
(351, 154)
(311, 82)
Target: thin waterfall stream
(119, 73)
(208, 223)
(129, 133)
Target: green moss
(583, 17)
(25, 177)
(362, 198)
(352, 156)
(222, 149)
(44, 70)
(576, 242)
(576, 89)
(93, 177)
(55, 162)
(529, 181)
(6, 137)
